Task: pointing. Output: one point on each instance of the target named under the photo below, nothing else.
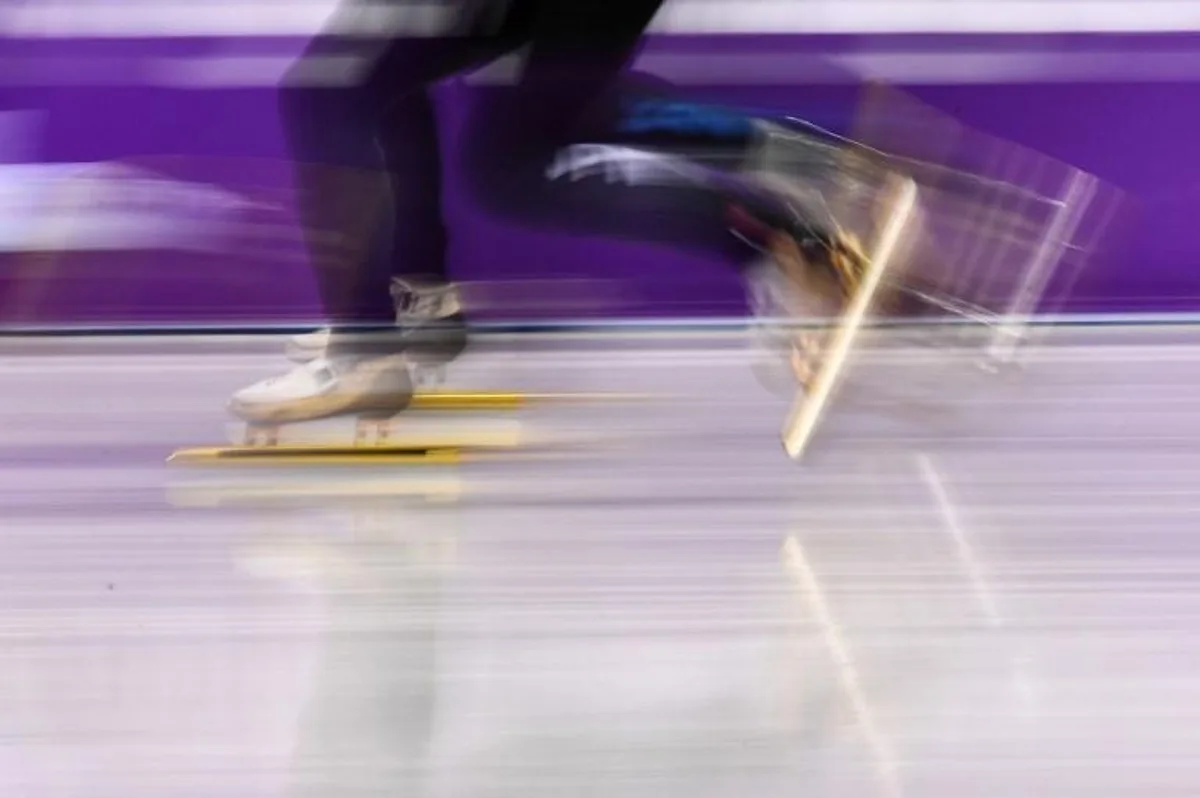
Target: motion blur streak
(977, 580)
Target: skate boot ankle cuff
(418, 303)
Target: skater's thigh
(384, 68)
(566, 90)
(585, 40)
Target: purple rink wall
(176, 201)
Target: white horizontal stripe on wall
(154, 18)
(907, 68)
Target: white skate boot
(768, 339)
(430, 332)
(369, 387)
(307, 347)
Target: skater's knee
(325, 124)
(322, 83)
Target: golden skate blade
(470, 400)
(501, 400)
(348, 443)
(409, 431)
(811, 401)
(317, 455)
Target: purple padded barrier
(1132, 127)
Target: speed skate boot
(794, 293)
(369, 386)
(366, 374)
(429, 315)
(432, 325)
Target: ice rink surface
(977, 585)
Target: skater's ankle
(422, 302)
(356, 343)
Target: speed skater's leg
(368, 173)
(571, 88)
(576, 88)
(368, 159)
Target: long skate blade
(500, 400)
(470, 400)
(810, 403)
(408, 431)
(318, 455)
(429, 444)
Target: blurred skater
(369, 181)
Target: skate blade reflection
(323, 490)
